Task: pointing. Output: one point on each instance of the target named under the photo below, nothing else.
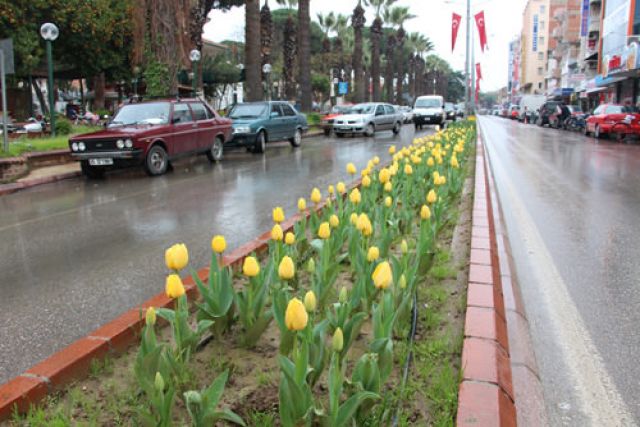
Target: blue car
(257, 123)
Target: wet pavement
(76, 254)
(572, 207)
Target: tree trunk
(98, 90)
(289, 59)
(376, 33)
(304, 48)
(400, 66)
(266, 34)
(388, 83)
(367, 85)
(252, 51)
(358, 20)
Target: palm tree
(289, 51)
(252, 50)
(304, 50)
(357, 21)
(376, 35)
(389, 57)
(366, 64)
(341, 28)
(326, 22)
(398, 16)
(266, 35)
(419, 45)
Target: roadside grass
(26, 145)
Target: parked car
(546, 110)
(407, 114)
(336, 111)
(152, 134)
(367, 119)
(257, 123)
(450, 111)
(429, 110)
(460, 110)
(514, 112)
(610, 119)
(529, 106)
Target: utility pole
(473, 73)
(467, 82)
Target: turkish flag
(455, 26)
(482, 29)
(478, 71)
(477, 90)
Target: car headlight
(82, 146)
(128, 143)
(74, 146)
(242, 129)
(120, 144)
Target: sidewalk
(43, 175)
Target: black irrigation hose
(407, 363)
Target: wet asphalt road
(76, 254)
(572, 209)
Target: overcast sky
(503, 20)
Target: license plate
(100, 162)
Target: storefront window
(636, 19)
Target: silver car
(367, 119)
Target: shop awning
(596, 89)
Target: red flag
(478, 71)
(482, 30)
(455, 26)
(477, 90)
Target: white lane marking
(597, 394)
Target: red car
(152, 134)
(613, 119)
(336, 111)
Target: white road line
(600, 400)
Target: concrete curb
(486, 396)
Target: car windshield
(363, 109)
(248, 111)
(341, 109)
(154, 113)
(427, 103)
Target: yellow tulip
(425, 212)
(442, 180)
(436, 175)
(432, 197)
(286, 269)
(150, 316)
(316, 196)
(384, 176)
(388, 201)
(176, 257)
(354, 218)
(250, 267)
(382, 275)
(302, 204)
(454, 162)
(276, 233)
(404, 247)
(388, 187)
(324, 232)
(342, 296)
(355, 196)
(370, 164)
(337, 342)
(351, 169)
(334, 221)
(174, 287)
(392, 150)
(328, 202)
(408, 170)
(218, 244)
(310, 302)
(373, 254)
(331, 190)
(364, 225)
(366, 181)
(365, 172)
(376, 160)
(278, 215)
(296, 316)
(341, 188)
(290, 238)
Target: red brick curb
(486, 396)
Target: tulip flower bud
(310, 302)
(351, 169)
(392, 150)
(324, 232)
(353, 218)
(296, 316)
(342, 296)
(432, 197)
(290, 238)
(382, 275)
(159, 382)
(341, 188)
(176, 257)
(402, 282)
(404, 247)
(276, 233)
(337, 342)
(355, 196)
(366, 181)
(150, 316)
(218, 244)
(316, 196)
(286, 269)
(408, 170)
(250, 267)
(328, 202)
(373, 254)
(174, 287)
(278, 215)
(384, 176)
(430, 162)
(425, 212)
(388, 201)
(376, 160)
(331, 190)
(388, 187)
(311, 266)
(334, 221)
(302, 204)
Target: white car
(367, 119)
(429, 110)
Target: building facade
(534, 44)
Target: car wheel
(596, 133)
(91, 172)
(396, 128)
(585, 131)
(339, 135)
(261, 142)
(371, 130)
(297, 139)
(417, 126)
(216, 150)
(327, 132)
(157, 161)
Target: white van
(429, 110)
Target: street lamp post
(194, 56)
(50, 33)
(467, 82)
(266, 69)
